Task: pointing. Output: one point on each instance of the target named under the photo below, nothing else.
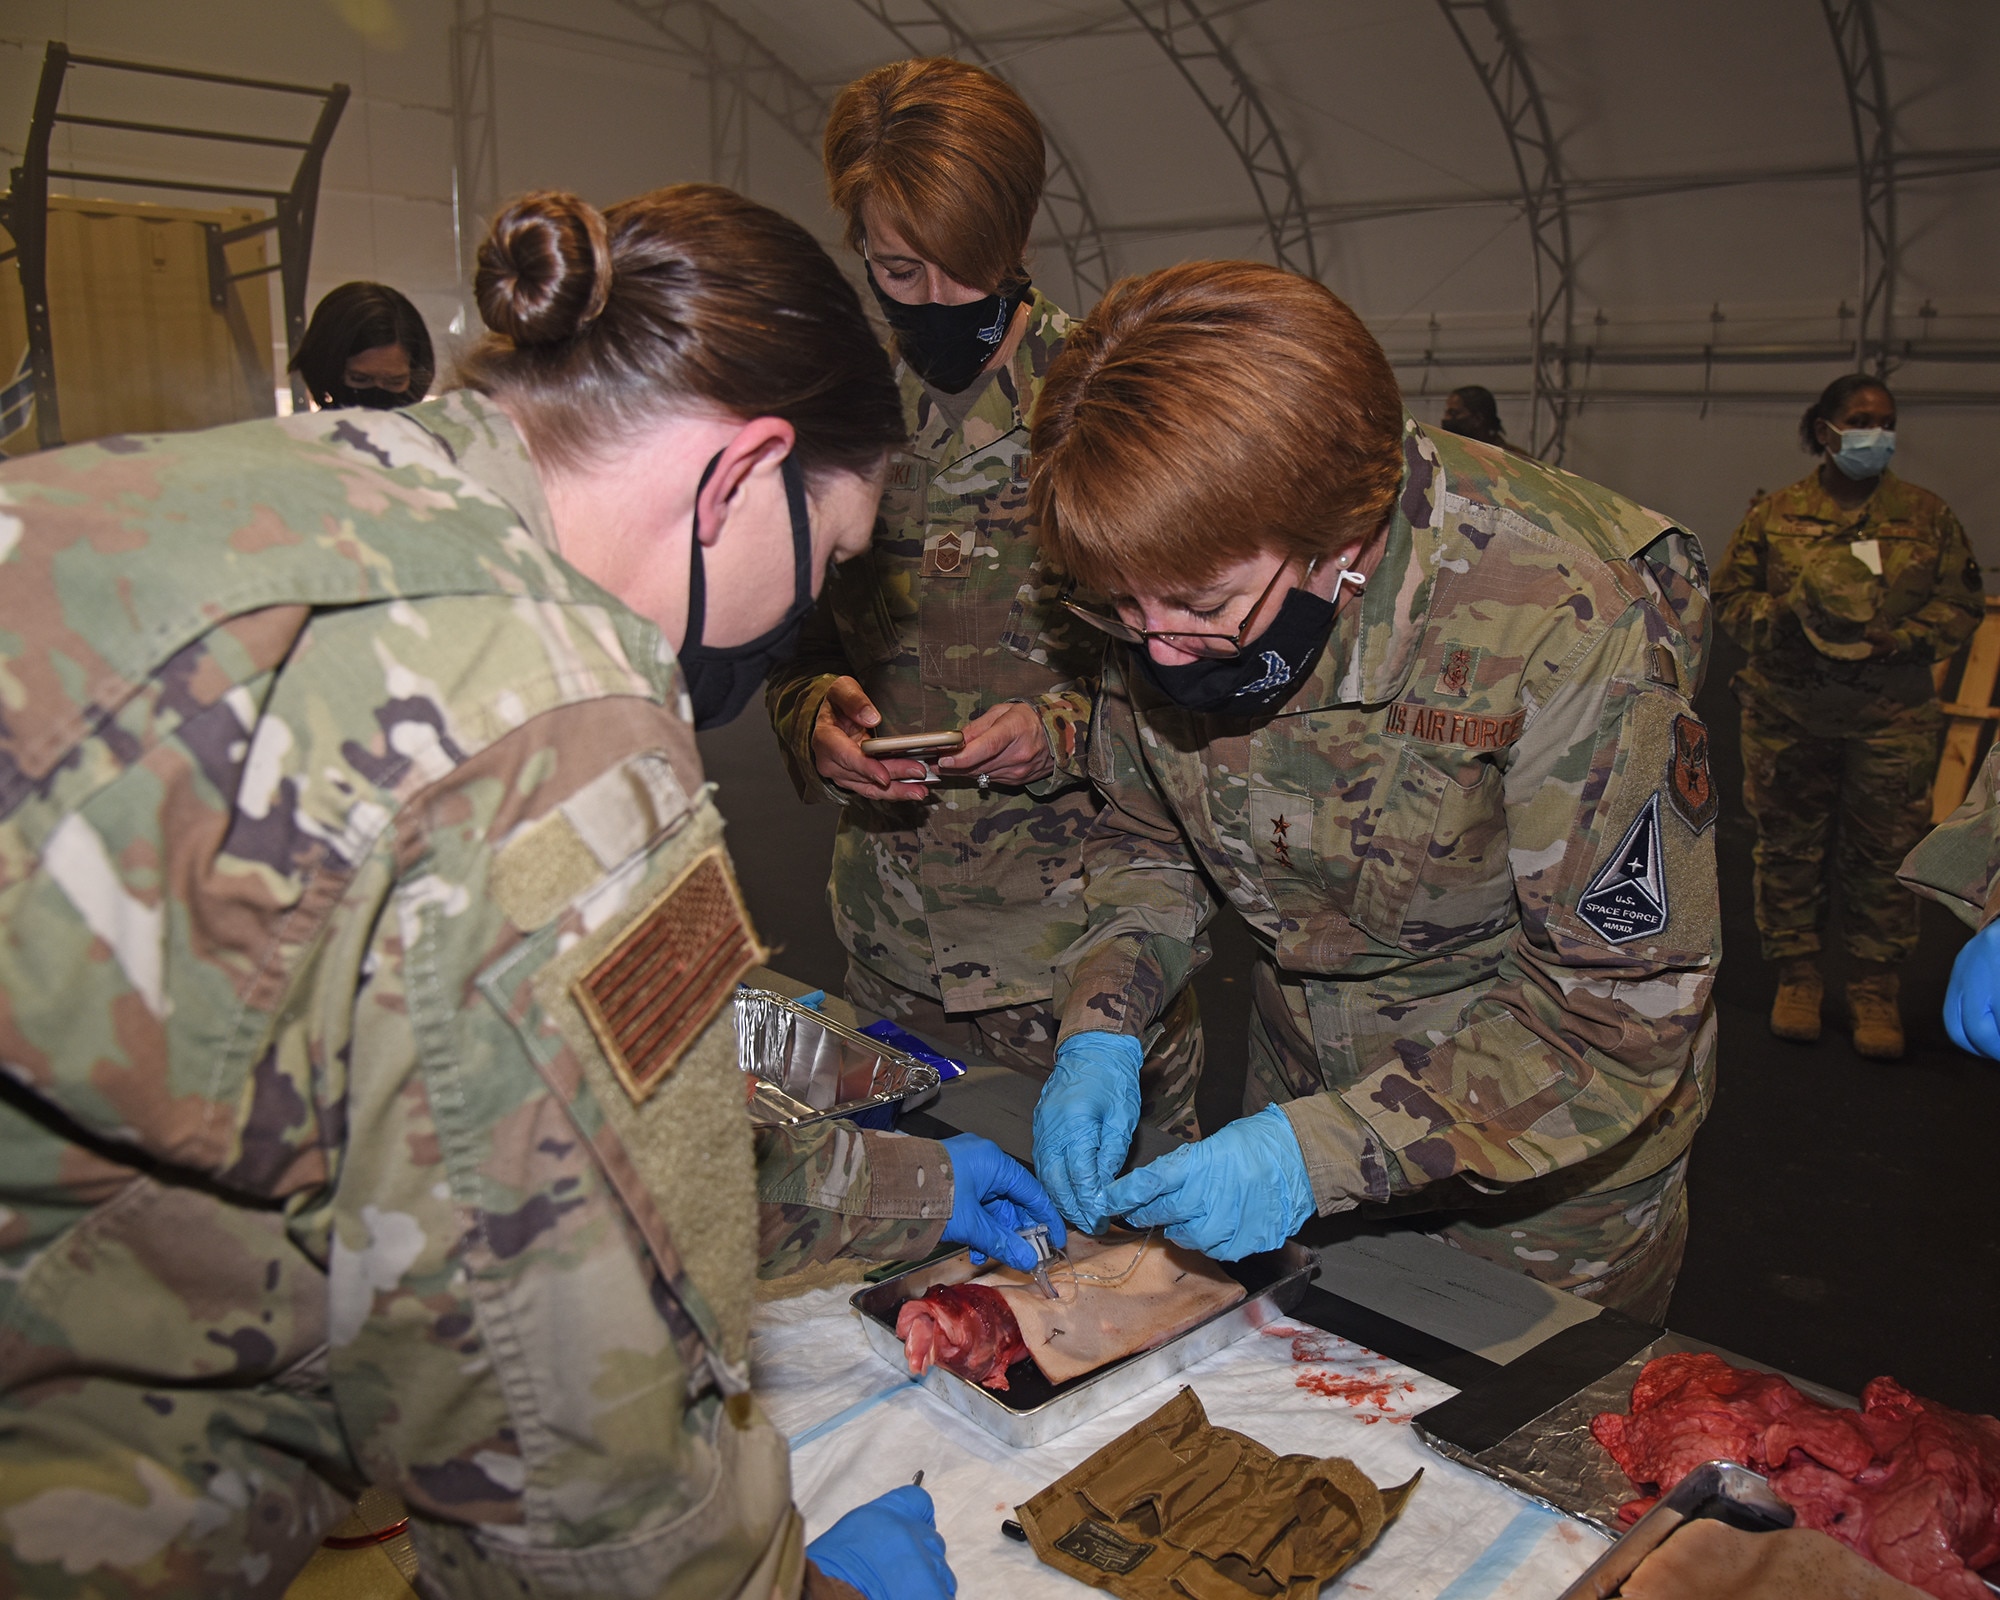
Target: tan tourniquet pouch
(1176, 1509)
(1117, 1295)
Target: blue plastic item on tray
(911, 1045)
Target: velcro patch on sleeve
(652, 993)
(1690, 779)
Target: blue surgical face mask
(1863, 452)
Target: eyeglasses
(362, 380)
(1216, 646)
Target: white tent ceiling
(1705, 161)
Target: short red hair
(951, 156)
(1205, 413)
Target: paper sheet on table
(860, 1428)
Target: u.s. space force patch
(1627, 899)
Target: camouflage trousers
(1024, 1038)
(1590, 1229)
(1852, 797)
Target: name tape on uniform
(1436, 725)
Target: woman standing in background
(954, 894)
(365, 346)
(1845, 589)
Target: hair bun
(544, 269)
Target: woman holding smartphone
(957, 873)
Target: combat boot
(1878, 1020)
(1795, 1012)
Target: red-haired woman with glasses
(1420, 711)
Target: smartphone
(909, 744)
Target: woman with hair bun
(367, 948)
(956, 877)
(1419, 712)
(1845, 590)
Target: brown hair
(690, 296)
(951, 156)
(1207, 412)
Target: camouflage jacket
(1958, 863)
(1478, 837)
(324, 784)
(970, 896)
(1864, 600)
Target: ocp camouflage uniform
(1476, 850)
(1840, 716)
(1958, 863)
(322, 781)
(953, 910)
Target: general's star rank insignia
(1690, 783)
(1627, 899)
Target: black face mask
(1264, 676)
(373, 399)
(948, 346)
(722, 678)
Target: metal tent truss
(1186, 32)
(738, 63)
(924, 27)
(26, 208)
(741, 70)
(1493, 45)
(475, 184)
(1865, 79)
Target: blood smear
(1357, 1390)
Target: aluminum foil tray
(1555, 1460)
(1034, 1410)
(808, 1067)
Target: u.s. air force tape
(1467, 730)
(1627, 899)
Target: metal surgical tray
(1034, 1410)
(808, 1067)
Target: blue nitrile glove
(1974, 991)
(889, 1549)
(1240, 1190)
(992, 1195)
(1084, 1121)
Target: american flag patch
(654, 991)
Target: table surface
(1406, 1311)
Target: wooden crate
(139, 347)
(1969, 714)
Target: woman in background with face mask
(956, 878)
(365, 346)
(1845, 589)
(1420, 711)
